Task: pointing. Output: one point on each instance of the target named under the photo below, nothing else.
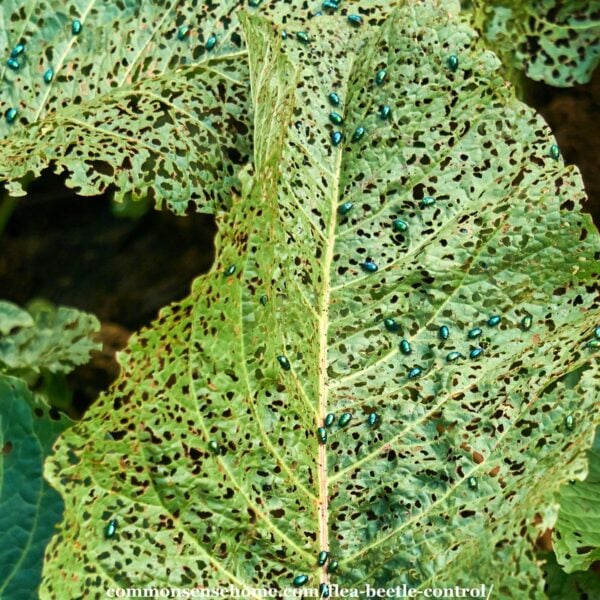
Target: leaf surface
(29, 507)
(135, 102)
(45, 337)
(577, 532)
(206, 450)
(552, 41)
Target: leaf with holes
(577, 531)
(29, 507)
(426, 276)
(552, 41)
(150, 98)
(47, 337)
(123, 95)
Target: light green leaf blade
(130, 104)
(552, 41)
(12, 317)
(395, 503)
(577, 532)
(46, 337)
(29, 507)
(135, 101)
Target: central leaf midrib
(323, 346)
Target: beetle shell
(391, 325)
(444, 332)
(476, 353)
(373, 419)
(452, 356)
(355, 20)
(111, 529)
(474, 333)
(211, 42)
(284, 362)
(345, 419)
(452, 63)
(345, 208)
(322, 558)
(414, 372)
(336, 118)
(494, 320)
(334, 99)
(18, 49)
(358, 134)
(336, 138)
(400, 225)
(385, 113)
(427, 202)
(11, 115)
(369, 266)
(300, 580)
(381, 77)
(322, 435)
(76, 27)
(405, 347)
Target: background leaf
(577, 531)
(29, 507)
(45, 337)
(574, 586)
(205, 450)
(552, 41)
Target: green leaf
(12, 317)
(552, 41)
(205, 451)
(29, 507)
(574, 586)
(56, 339)
(130, 104)
(577, 531)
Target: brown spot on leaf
(477, 457)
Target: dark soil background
(74, 251)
